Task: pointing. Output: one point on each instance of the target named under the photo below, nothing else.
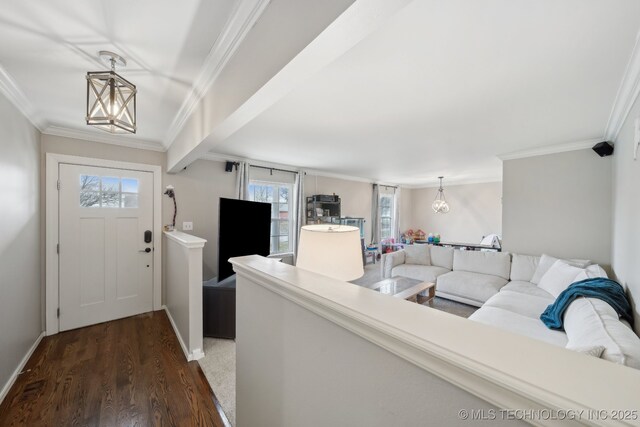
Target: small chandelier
(440, 204)
(111, 100)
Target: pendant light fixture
(111, 100)
(440, 204)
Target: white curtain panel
(396, 214)
(299, 207)
(375, 215)
(242, 181)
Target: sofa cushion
(559, 277)
(591, 272)
(389, 261)
(473, 286)
(591, 322)
(492, 263)
(441, 257)
(526, 305)
(527, 288)
(546, 261)
(519, 324)
(523, 267)
(417, 254)
(426, 273)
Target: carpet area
(219, 366)
(219, 363)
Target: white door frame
(53, 160)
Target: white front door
(106, 266)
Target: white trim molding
(551, 149)
(103, 137)
(483, 360)
(194, 355)
(627, 94)
(9, 87)
(53, 161)
(243, 18)
(20, 368)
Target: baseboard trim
(197, 354)
(20, 368)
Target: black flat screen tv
(244, 229)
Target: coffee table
(408, 289)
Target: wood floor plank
(127, 372)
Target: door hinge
(58, 312)
(58, 184)
(58, 248)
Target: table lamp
(332, 250)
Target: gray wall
(476, 211)
(626, 213)
(295, 368)
(20, 283)
(559, 204)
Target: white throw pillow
(591, 272)
(546, 261)
(417, 254)
(559, 277)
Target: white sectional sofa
(470, 277)
(513, 290)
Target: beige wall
(476, 211)
(20, 264)
(625, 255)
(198, 192)
(355, 196)
(559, 204)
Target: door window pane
(129, 200)
(110, 199)
(129, 185)
(89, 183)
(89, 199)
(110, 184)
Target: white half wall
(559, 204)
(184, 290)
(314, 351)
(476, 211)
(625, 254)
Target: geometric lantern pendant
(111, 100)
(440, 204)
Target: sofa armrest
(389, 261)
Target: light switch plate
(187, 226)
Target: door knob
(147, 250)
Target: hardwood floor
(129, 372)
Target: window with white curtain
(387, 212)
(275, 187)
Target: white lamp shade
(331, 250)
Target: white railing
(316, 351)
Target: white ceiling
(48, 46)
(445, 86)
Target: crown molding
(107, 138)
(551, 149)
(451, 182)
(215, 157)
(627, 94)
(10, 89)
(242, 19)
